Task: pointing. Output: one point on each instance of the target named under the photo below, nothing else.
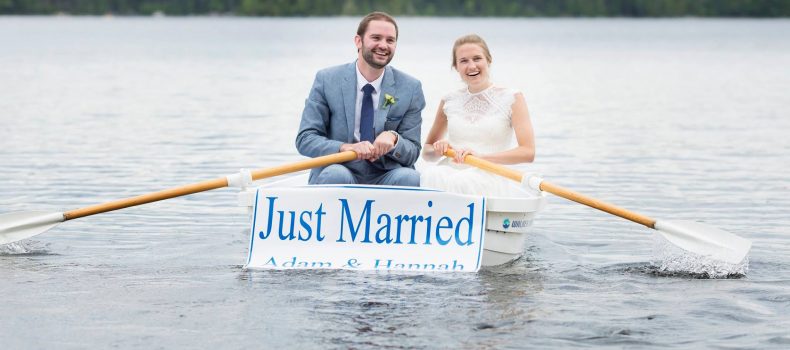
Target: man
(367, 107)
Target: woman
(481, 120)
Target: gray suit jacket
(328, 118)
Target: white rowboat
(508, 220)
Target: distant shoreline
(68, 15)
(407, 8)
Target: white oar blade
(705, 240)
(25, 224)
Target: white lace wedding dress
(481, 122)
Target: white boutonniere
(389, 100)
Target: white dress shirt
(361, 82)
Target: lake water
(673, 118)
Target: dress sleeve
(505, 100)
(450, 99)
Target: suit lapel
(349, 90)
(387, 88)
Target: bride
(481, 120)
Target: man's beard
(367, 55)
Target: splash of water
(18, 248)
(670, 258)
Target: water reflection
(383, 309)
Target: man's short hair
(375, 16)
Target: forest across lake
(437, 8)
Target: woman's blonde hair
(471, 39)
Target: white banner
(366, 228)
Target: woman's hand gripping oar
(17, 226)
(694, 237)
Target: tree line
(450, 8)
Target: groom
(366, 107)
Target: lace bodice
(480, 121)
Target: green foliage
(508, 8)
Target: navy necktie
(366, 114)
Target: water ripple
(143, 105)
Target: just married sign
(366, 228)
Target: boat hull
(508, 222)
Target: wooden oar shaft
(341, 157)
(146, 198)
(494, 168)
(597, 204)
(207, 185)
(558, 191)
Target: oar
(17, 226)
(695, 237)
